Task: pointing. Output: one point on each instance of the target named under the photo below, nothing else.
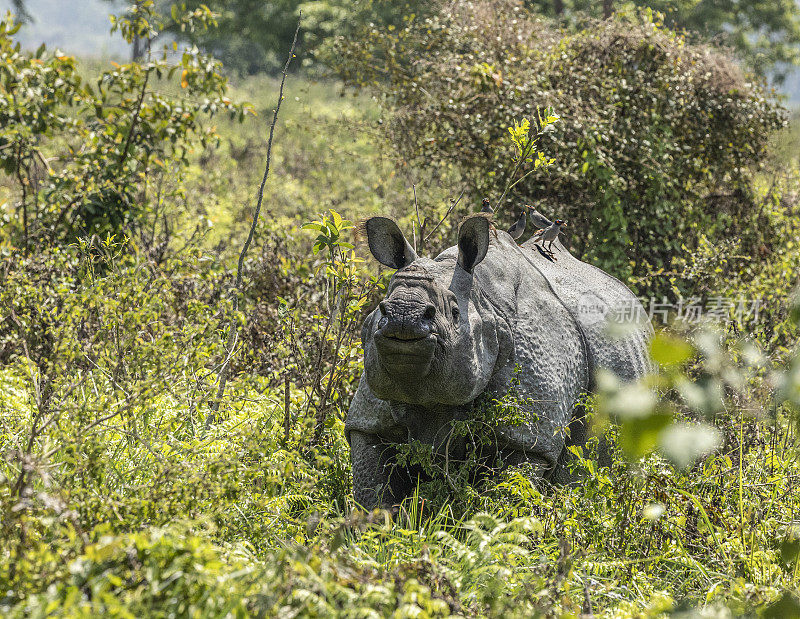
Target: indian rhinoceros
(479, 315)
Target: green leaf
(635, 400)
(639, 436)
(795, 307)
(790, 552)
(787, 607)
(669, 351)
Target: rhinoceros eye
(456, 313)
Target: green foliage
(252, 36)
(656, 142)
(454, 477)
(762, 265)
(765, 33)
(640, 539)
(346, 295)
(330, 229)
(109, 365)
(679, 408)
(525, 144)
(101, 159)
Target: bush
(657, 142)
(102, 159)
(109, 363)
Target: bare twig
(421, 222)
(233, 329)
(23, 183)
(446, 215)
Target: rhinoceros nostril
(382, 307)
(430, 311)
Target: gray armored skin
(455, 327)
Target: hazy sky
(79, 27)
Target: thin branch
(521, 178)
(134, 120)
(446, 215)
(420, 222)
(287, 415)
(234, 331)
(23, 185)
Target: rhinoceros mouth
(400, 337)
(406, 344)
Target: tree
(22, 14)
(250, 36)
(84, 158)
(765, 33)
(249, 33)
(139, 40)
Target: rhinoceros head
(431, 341)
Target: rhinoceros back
(597, 300)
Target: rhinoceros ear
(387, 243)
(473, 241)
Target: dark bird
(486, 207)
(539, 220)
(548, 230)
(518, 229)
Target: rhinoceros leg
(377, 482)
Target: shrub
(657, 139)
(102, 159)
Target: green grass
(261, 531)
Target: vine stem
(233, 330)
